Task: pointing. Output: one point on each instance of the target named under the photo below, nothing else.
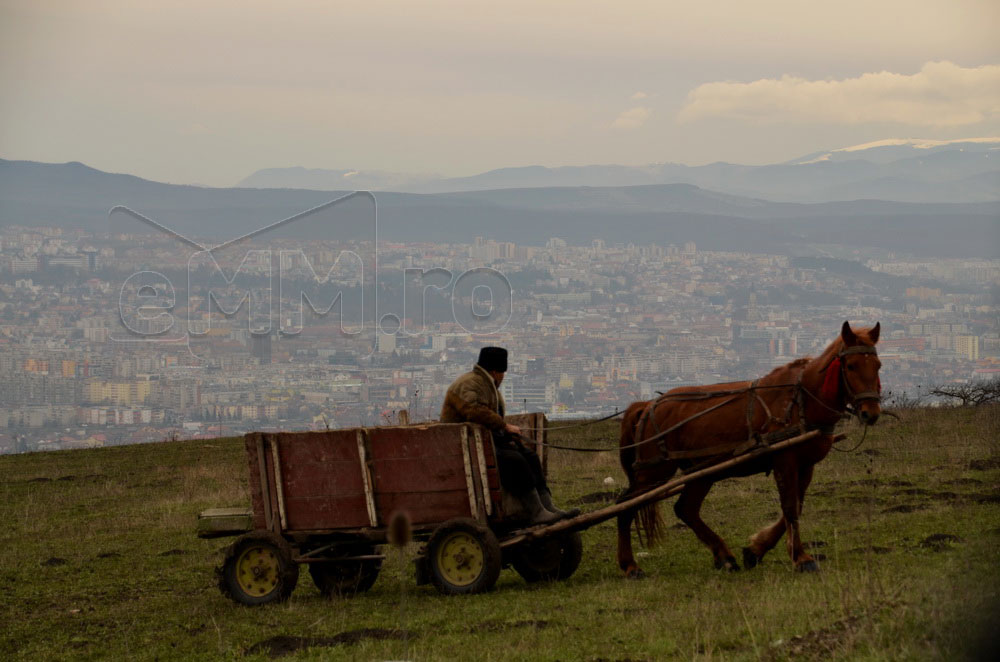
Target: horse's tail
(649, 524)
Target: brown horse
(705, 424)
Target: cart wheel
(258, 569)
(549, 559)
(344, 578)
(463, 557)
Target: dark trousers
(520, 468)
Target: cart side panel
(251, 442)
(322, 481)
(422, 471)
(492, 472)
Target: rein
(755, 438)
(682, 397)
(578, 425)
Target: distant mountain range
(905, 170)
(75, 195)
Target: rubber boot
(537, 513)
(546, 498)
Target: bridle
(855, 398)
(838, 386)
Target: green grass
(100, 561)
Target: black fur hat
(493, 358)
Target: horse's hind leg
(688, 509)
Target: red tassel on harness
(831, 384)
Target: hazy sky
(208, 92)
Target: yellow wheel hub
(460, 559)
(257, 571)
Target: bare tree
(903, 400)
(972, 394)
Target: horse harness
(754, 438)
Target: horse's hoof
(750, 560)
(635, 573)
(728, 564)
(807, 566)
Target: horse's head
(857, 364)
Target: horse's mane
(797, 363)
(828, 354)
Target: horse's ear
(847, 335)
(873, 334)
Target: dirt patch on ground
(624, 611)
(598, 497)
(821, 644)
(983, 465)
(906, 508)
(985, 498)
(934, 496)
(54, 561)
(500, 626)
(940, 542)
(173, 552)
(108, 555)
(914, 491)
(284, 645)
(874, 549)
(962, 481)
(40, 479)
(855, 498)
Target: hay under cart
(327, 499)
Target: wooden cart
(329, 499)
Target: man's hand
(513, 429)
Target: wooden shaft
(669, 488)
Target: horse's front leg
(764, 540)
(688, 509)
(791, 489)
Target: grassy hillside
(100, 561)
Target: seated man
(475, 398)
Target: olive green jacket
(474, 398)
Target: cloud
(632, 118)
(638, 96)
(940, 94)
